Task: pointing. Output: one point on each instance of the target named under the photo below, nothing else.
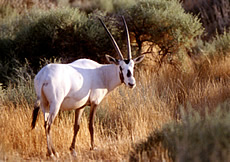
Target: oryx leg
(78, 114)
(91, 123)
(50, 149)
(49, 118)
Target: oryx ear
(111, 60)
(138, 59)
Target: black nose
(131, 85)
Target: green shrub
(163, 24)
(219, 47)
(194, 138)
(48, 33)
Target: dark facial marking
(120, 68)
(121, 75)
(128, 74)
(127, 61)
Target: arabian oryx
(78, 84)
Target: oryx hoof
(56, 155)
(73, 152)
(94, 148)
(53, 156)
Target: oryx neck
(112, 76)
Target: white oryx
(78, 84)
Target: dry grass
(124, 118)
(18, 141)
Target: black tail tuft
(35, 115)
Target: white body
(74, 85)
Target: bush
(162, 24)
(47, 34)
(219, 47)
(194, 138)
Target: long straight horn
(113, 40)
(128, 39)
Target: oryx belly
(74, 103)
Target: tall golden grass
(124, 118)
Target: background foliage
(70, 34)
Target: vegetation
(219, 47)
(176, 113)
(194, 138)
(68, 33)
(162, 24)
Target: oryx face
(126, 70)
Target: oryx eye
(128, 73)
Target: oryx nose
(131, 85)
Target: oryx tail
(35, 113)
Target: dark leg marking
(91, 123)
(78, 114)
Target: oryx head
(126, 66)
